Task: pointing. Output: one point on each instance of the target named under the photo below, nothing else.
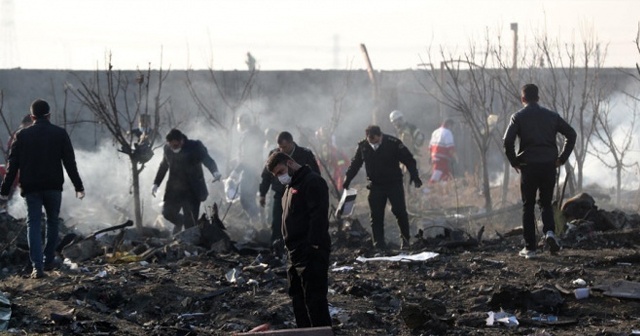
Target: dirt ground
(187, 291)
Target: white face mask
(285, 179)
(374, 146)
(177, 150)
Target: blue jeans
(51, 200)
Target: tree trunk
(580, 174)
(618, 183)
(505, 182)
(486, 188)
(135, 173)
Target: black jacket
(39, 152)
(301, 155)
(185, 171)
(537, 128)
(382, 165)
(305, 215)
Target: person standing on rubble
(536, 161)
(443, 152)
(382, 155)
(303, 156)
(186, 188)
(250, 163)
(39, 152)
(306, 236)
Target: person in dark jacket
(537, 159)
(39, 152)
(306, 236)
(186, 188)
(382, 155)
(302, 156)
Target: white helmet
(395, 116)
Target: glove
(345, 185)
(154, 190)
(80, 195)
(263, 201)
(216, 176)
(416, 181)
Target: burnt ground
(187, 290)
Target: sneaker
(552, 242)
(37, 274)
(527, 254)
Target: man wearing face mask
(305, 230)
(382, 155)
(302, 156)
(186, 188)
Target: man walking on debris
(306, 235)
(250, 163)
(443, 152)
(302, 156)
(186, 188)
(39, 152)
(382, 155)
(537, 159)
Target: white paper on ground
(402, 257)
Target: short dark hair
(284, 136)
(40, 108)
(174, 135)
(448, 122)
(530, 93)
(275, 159)
(26, 119)
(373, 130)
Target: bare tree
(574, 87)
(117, 104)
(617, 141)
(215, 90)
(468, 85)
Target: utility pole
(514, 28)
(374, 82)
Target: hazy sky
(290, 34)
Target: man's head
(175, 140)
(448, 123)
(40, 109)
(26, 120)
(282, 166)
(396, 118)
(144, 121)
(374, 134)
(285, 142)
(529, 94)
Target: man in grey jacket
(537, 159)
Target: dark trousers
(537, 178)
(276, 218)
(190, 206)
(308, 287)
(378, 196)
(51, 201)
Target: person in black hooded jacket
(305, 228)
(186, 189)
